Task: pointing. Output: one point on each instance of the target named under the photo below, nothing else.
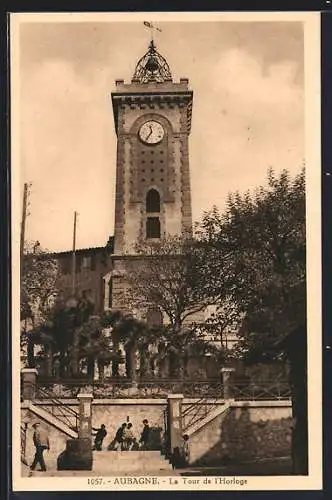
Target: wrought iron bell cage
(152, 67)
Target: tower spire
(152, 67)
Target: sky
(248, 113)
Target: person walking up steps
(41, 442)
(99, 437)
(128, 437)
(117, 443)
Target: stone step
(133, 466)
(133, 454)
(126, 455)
(112, 463)
(104, 461)
(136, 461)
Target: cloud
(251, 118)
(66, 131)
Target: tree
(73, 333)
(132, 333)
(168, 274)
(262, 236)
(39, 272)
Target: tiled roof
(108, 246)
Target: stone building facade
(152, 117)
(91, 265)
(152, 120)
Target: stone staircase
(119, 462)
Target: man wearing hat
(41, 442)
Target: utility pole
(74, 257)
(24, 216)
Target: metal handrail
(60, 406)
(123, 380)
(269, 389)
(198, 411)
(201, 388)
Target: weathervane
(152, 67)
(151, 27)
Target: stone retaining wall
(245, 431)
(57, 440)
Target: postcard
(166, 173)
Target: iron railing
(125, 388)
(58, 409)
(267, 390)
(197, 411)
(241, 390)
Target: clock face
(151, 132)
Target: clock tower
(152, 117)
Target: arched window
(153, 227)
(152, 201)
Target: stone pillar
(174, 402)
(107, 280)
(29, 383)
(226, 373)
(78, 452)
(85, 415)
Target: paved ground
(271, 467)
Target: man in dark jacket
(117, 442)
(99, 437)
(41, 442)
(145, 435)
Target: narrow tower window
(153, 227)
(152, 201)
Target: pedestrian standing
(185, 450)
(145, 435)
(41, 442)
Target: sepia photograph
(166, 251)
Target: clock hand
(151, 131)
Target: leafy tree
(261, 240)
(132, 333)
(73, 333)
(60, 332)
(39, 272)
(168, 274)
(38, 291)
